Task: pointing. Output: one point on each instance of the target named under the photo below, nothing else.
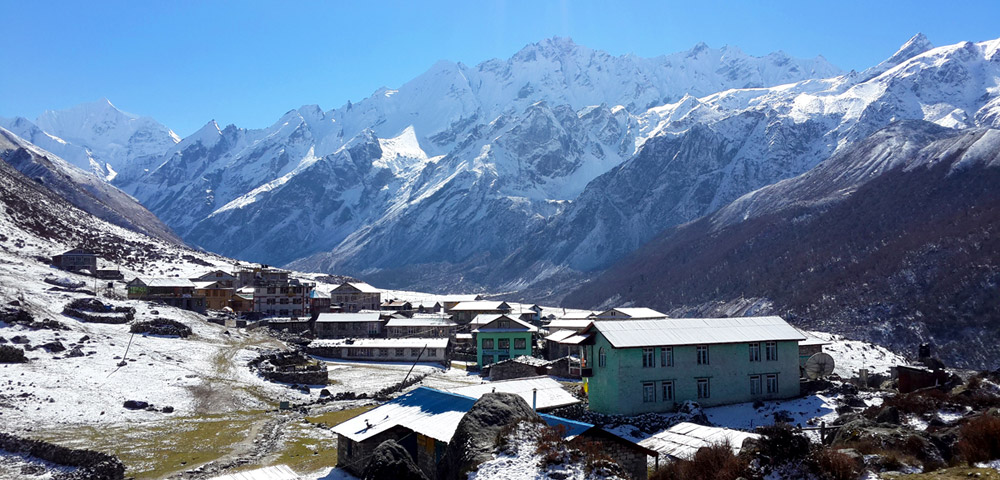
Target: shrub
(979, 439)
(833, 465)
(917, 403)
(716, 462)
(781, 443)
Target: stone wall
(91, 465)
(631, 459)
(354, 456)
(290, 367)
(510, 370)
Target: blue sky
(188, 62)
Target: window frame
(706, 392)
(756, 387)
(503, 344)
(489, 344)
(648, 392)
(667, 390)
(602, 358)
(666, 356)
(772, 383)
(520, 344)
(771, 351)
(648, 358)
(755, 351)
(703, 357)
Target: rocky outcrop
(475, 437)
(11, 354)
(390, 461)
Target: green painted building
(639, 366)
(502, 338)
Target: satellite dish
(819, 366)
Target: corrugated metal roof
(167, 282)
(695, 331)
(383, 342)
(684, 439)
(563, 324)
(480, 305)
(429, 412)
(638, 312)
(576, 315)
(348, 317)
(811, 340)
(421, 322)
(461, 298)
(276, 472)
(550, 392)
(560, 335)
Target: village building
(350, 325)
(429, 307)
(421, 325)
(289, 324)
(248, 276)
(384, 349)
(638, 313)
(76, 260)
(809, 347)
(464, 312)
(450, 301)
(424, 420)
(216, 296)
(222, 278)
(397, 306)
(241, 301)
(276, 294)
(641, 366)
(356, 296)
(541, 392)
(173, 291)
(561, 330)
(501, 338)
(319, 303)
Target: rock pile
(90, 465)
(162, 326)
(474, 439)
(95, 311)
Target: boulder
(889, 414)
(10, 354)
(76, 352)
(390, 461)
(475, 438)
(54, 346)
(19, 340)
(135, 405)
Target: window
(284, 300)
(431, 352)
(270, 290)
(755, 385)
(414, 352)
(668, 391)
(704, 389)
(772, 351)
(487, 359)
(602, 358)
(647, 358)
(504, 324)
(772, 383)
(648, 392)
(501, 358)
(383, 352)
(487, 344)
(520, 344)
(400, 352)
(270, 301)
(504, 343)
(702, 354)
(755, 352)
(667, 357)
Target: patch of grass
(339, 416)
(157, 449)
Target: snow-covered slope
(82, 189)
(97, 136)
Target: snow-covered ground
(851, 355)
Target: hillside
(893, 240)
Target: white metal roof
(560, 335)
(166, 282)
(421, 322)
(480, 306)
(461, 298)
(812, 340)
(360, 286)
(564, 324)
(484, 318)
(383, 342)
(638, 312)
(276, 472)
(581, 315)
(684, 439)
(695, 331)
(550, 393)
(348, 317)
